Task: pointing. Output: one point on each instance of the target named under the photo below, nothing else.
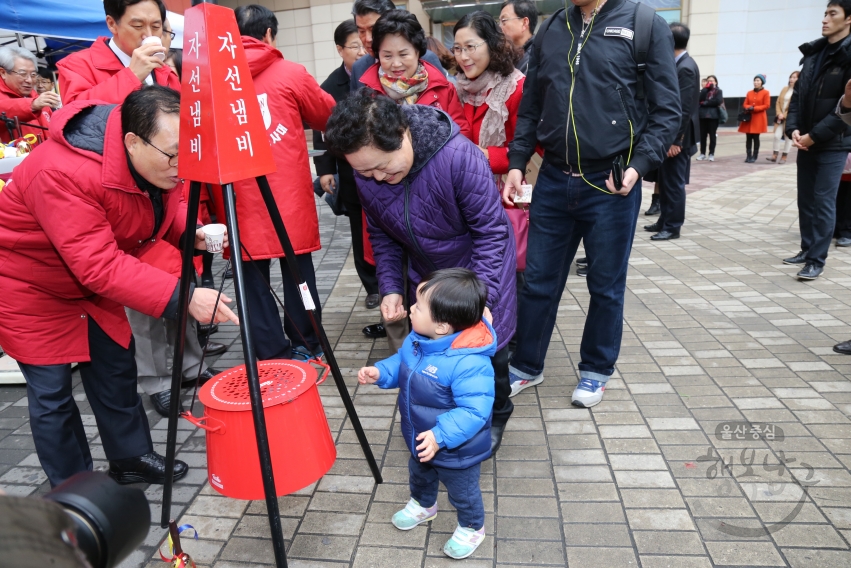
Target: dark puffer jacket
(445, 213)
(811, 110)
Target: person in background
(18, 97)
(45, 82)
(335, 174)
(781, 108)
(112, 68)
(175, 61)
(711, 99)
(447, 60)
(366, 13)
(756, 104)
(518, 20)
(292, 98)
(401, 72)
(822, 138)
(168, 35)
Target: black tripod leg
(187, 275)
(287, 246)
(253, 379)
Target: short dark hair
(403, 23)
(176, 56)
(141, 110)
(343, 31)
(844, 4)
(253, 21)
(524, 9)
(503, 54)
(456, 297)
(681, 34)
(366, 7)
(116, 8)
(365, 118)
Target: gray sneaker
(711, 157)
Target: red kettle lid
(281, 381)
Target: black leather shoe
(497, 431)
(810, 272)
(162, 402)
(654, 228)
(207, 329)
(208, 282)
(665, 236)
(654, 208)
(229, 273)
(205, 376)
(149, 468)
(582, 261)
(582, 271)
(375, 331)
(372, 301)
(215, 349)
(843, 242)
(800, 258)
(844, 348)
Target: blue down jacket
(446, 385)
(445, 213)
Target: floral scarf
(494, 90)
(407, 89)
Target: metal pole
(286, 245)
(253, 379)
(187, 275)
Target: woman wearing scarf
(399, 42)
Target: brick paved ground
(716, 330)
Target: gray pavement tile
(598, 557)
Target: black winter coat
(710, 106)
(816, 94)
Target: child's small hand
(429, 446)
(368, 375)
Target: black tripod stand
(187, 274)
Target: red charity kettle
(299, 437)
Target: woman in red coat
(399, 42)
(756, 103)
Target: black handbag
(744, 116)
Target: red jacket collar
(6, 90)
(436, 78)
(260, 55)
(104, 58)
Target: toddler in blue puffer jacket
(446, 391)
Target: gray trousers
(155, 339)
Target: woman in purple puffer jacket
(429, 193)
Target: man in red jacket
(73, 221)
(18, 98)
(289, 97)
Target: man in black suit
(673, 175)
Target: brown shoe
(783, 158)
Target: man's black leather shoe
(208, 282)
(162, 401)
(665, 236)
(582, 261)
(582, 270)
(372, 301)
(810, 272)
(654, 228)
(215, 349)
(843, 348)
(375, 331)
(205, 376)
(800, 258)
(149, 468)
(497, 431)
(229, 273)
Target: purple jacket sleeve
(388, 259)
(479, 201)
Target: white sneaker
(412, 515)
(464, 542)
(711, 157)
(519, 384)
(701, 157)
(588, 393)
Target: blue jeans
(461, 484)
(819, 174)
(565, 210)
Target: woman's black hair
(403, 23)
(365, 118)
(714, 77)
(456, 296)
(176, 56)
(503, 54)
(343, 31)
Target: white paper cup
(524, 195)
(214, 236)
(155, 41)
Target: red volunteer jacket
(289, 96)
(72, 226)
(497, 155)
(14, 105)
(439, 93)
(97, 73)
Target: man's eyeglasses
(23, 74)
(469, 50)
(355, 47)
(503, 20)
(171, 157)
(172, 34)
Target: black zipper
(411, 236)
(623, 104)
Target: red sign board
(222, 135)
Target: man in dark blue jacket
(587, 104)
(822, 138)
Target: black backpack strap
(644, 15)
(539, 37)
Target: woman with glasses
(399, 43)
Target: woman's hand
(781, 116)
(393, 308)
